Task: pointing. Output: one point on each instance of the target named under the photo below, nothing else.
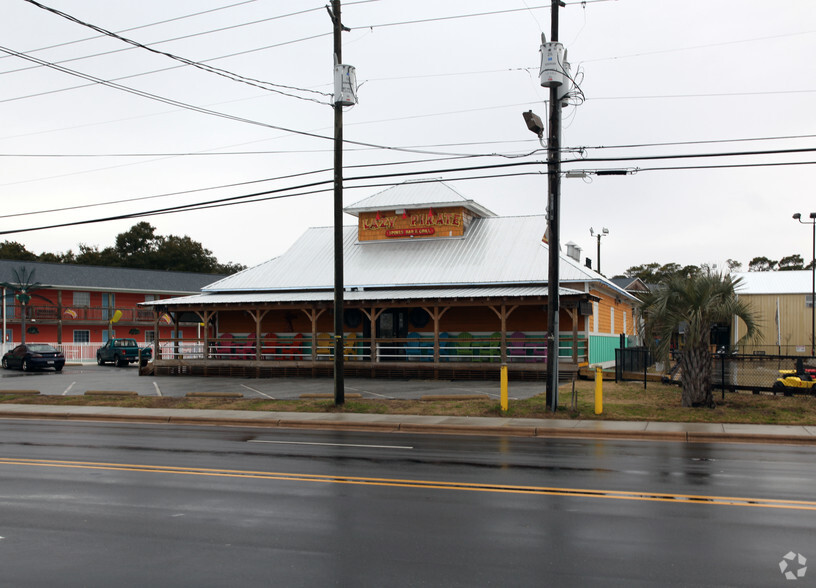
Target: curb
(418, 428)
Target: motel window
(612, 320)
(595, 321)
(82, 336)
(150, 336)
(82, 299)
(625, 332)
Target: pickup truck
(122, 352)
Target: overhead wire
(138, 27)
(280, 192)
(246, 197)
(219, 187)
(264, 85)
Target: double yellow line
(422, 484)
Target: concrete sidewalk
(686, 432)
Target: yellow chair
(324, 346)
(350, 345)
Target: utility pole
(553, 210)
(339, 382)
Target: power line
(219, 187)
(136, 28)
(281, 192)
(216, 113)
(264, 85)
(695, 155)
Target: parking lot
(77, 379)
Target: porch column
(313, 314)
(436, 314)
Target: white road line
(331, 444)
(369, 392)
(258, 392)
(158, 391)
(68, 389)
(380, 395)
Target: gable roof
(495, 251)
(630, 284)
(416, 194)
(118, 279)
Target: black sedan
(33, 356)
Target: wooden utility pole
(339, 382)
(553, 212)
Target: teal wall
(602, 348)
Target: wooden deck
(476, 371)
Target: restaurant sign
(410, 224)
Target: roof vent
(573, 251)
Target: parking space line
(258, 392)
(68, 389)
(158, 391)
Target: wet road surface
(123, 504)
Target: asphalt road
(85, 504)
(78, 379)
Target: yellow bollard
(503, 384)
(598, 390)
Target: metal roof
(494, 251)
(364, 295)
(96, 278)
(788, 282)
(417, 194)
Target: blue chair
(412, 349)
(444, 347)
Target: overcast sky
(676, 76)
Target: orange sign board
(423, 223)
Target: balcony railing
(48, 313)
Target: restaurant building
(436, 285)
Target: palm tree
(698, 303)
(22, 289)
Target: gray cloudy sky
(675, 76)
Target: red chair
(248, 351)
(292, 351)
(516, 349)
(269, 346)
(225, 346)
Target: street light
(812, 222)
(602, 233)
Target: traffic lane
(657, 468)
(221, 524)
(210, 531)
(78, 379)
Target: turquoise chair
(445, 347)
(464, 352)
(412, 349)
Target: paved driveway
(78, 379)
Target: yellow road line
(424, 484)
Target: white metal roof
(788, 282)
(416, 194)
(365, 295)
(494, 251)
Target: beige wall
(795, 323)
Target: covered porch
(439, 335)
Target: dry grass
(622, 401)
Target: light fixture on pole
(602, 233)
(812, 222)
